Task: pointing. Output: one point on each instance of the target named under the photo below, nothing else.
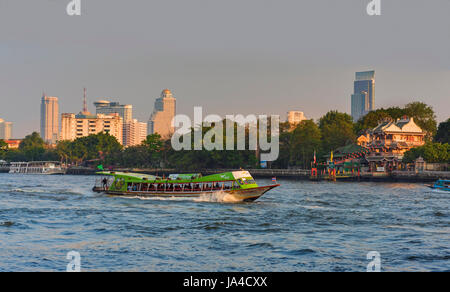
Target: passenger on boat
(105, 182)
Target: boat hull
(241, 195)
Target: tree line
(298, 144)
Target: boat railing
(177, 187)
(99, 183)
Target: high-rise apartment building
(135, 133)
(5, 130)
(161, 119)
(125, 111)
(49, 119)
(84, 124)
(363, 97)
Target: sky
(229, 56)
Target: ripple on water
(298, 226)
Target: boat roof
(226, 176)
(130, 175)
(35, 162)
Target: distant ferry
(37, 167)
(442, 184)
(236, 186)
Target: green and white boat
(236, 186)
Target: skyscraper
(49, 119)
(106, 107)
(135, 133)
(5, 130)
(363, 97)
(161, 119)
(125, 111)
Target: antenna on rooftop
(85, 109)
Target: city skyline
(272, 64)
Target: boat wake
(45, 191)
(218, 197)
(439, 191)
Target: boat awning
(130, 175)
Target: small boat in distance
(37, 167)
(236, 186)
(441, 184)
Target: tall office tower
(161, 119)
(106, 107)
(135, 133)
(49, 119)
(5, 130)
(363, 97)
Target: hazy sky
(231, 56)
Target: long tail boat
(441, 184)
(236, 186)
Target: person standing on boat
(105, 183)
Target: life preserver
(119, 184)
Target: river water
(300, 226)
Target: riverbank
(297, 174)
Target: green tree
(31, 141)
(305, 139)
(443, 132)
(424, 117)
(101, 146)
(154, 144)
(337, 130)
(32, 147)
(371, 120)
(395, 112)
(3, 149)
(135, 156)
(430, 152)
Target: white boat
(37, 167)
